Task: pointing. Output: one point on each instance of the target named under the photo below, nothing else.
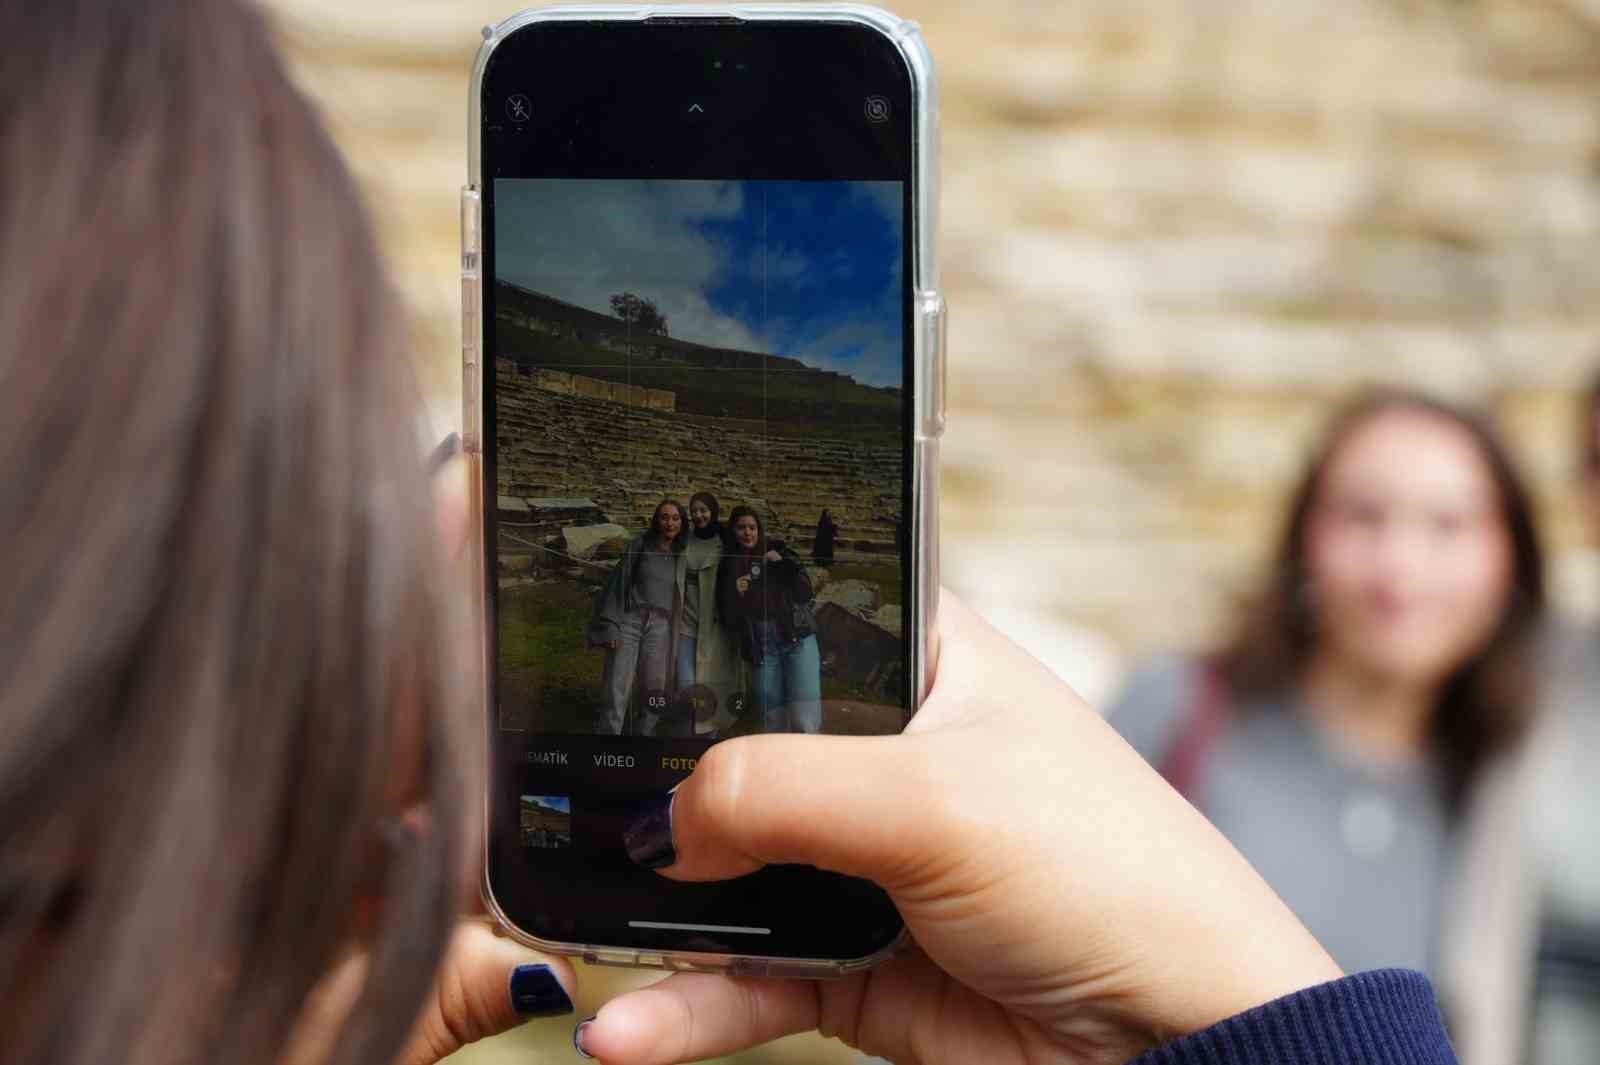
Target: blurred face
(1410, 561)
(745, 532)
(700, 514)
(669, 520)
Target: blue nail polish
(577, 1038)
(648, 836)
(444, 452)
(535, 992)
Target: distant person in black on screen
(822, 546)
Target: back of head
(223, 661)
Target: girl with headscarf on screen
(709, 669)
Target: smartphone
(704, 392)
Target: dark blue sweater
(1386, 1017)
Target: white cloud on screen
(866, 345)
(886, 197)
(782, 266)
(593, 239)
(584, 241)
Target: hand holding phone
(1067, 905)
(703, 336)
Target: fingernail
(648, 837)
(577, 1038)
(535, 992)
(444, 452)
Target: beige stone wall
(569, 384)
(1173, 232)
(1176, 231)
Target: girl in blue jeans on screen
(765, 597)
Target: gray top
(655, 578)
(1357, 849)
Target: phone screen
(698, 323)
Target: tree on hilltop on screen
(640, 313)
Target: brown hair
(678, 543)
(710, 501)
(223, 644)
(1485, 705)
(760, 547)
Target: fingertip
(647, 837)
(626, 1029)
(483, 952)
(578, 1038)
(537, 991)
(452, 497)
(487, 985)
(448, 449)
(694, 1016)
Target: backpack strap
(1205, 719)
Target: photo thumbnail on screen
(546, 822)
(698, 410)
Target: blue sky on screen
(809, 269)
(559, 803)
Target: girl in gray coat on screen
(636, 621)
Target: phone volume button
(471, 246)
(470, 319)
(941, 370)
(624, 958)
(931, 329)
(471, 286)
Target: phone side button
(471, 221)
(942, 370)
(688, 965)
(932, 328)
(624, 958)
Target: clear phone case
(928, 400)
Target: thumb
(862, 806)
(486, 985)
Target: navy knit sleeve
(1387, 1017)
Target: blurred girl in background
(1337, 738)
